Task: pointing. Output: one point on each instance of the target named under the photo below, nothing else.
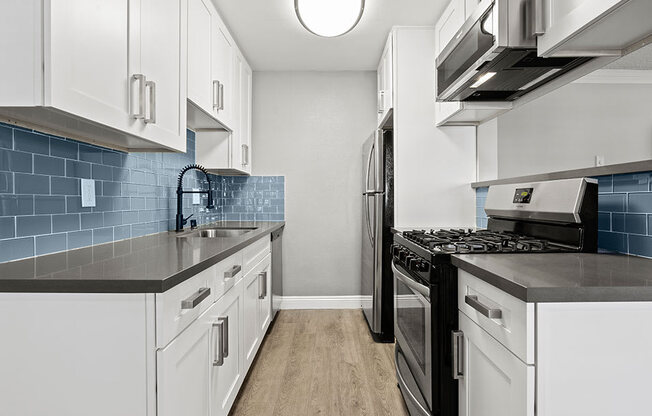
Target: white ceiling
(272, 39)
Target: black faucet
(180, 220)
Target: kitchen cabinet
(257, 306)
(385, 81)
(449, 24)
(222, 70)
(592, 27)
(108, 82)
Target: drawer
(227, 273)
(177, 308)
(254, 253)
(515, 326)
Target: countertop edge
(514, 289)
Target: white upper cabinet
(117, 79)
(385, 80)
(245, 103)
(222, 70)
(592, 27)
(200, 77)
(449, 23)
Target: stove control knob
(413, 263)
(424, 266)
(395, 250)
(402, 254)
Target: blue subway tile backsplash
(40, 200)
(625, 213)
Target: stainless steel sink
(219, 232)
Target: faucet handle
(185, 220)
(193, 224)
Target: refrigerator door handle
(368, 220)
(371, 153)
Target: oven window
(473, 46)
(411, 312)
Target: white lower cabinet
(494, 381)
(257, 307)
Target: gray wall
(310, 126)
(568, 128)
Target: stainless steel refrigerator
(377, 222)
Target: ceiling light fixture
(329, 18)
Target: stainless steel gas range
(541, 217)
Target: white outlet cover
(599, 160)
(196, 198)
(88, 192)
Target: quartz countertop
(150, 264)
(567, 277)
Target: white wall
(487, 145)
(567, 128)
(310, 126)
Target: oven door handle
(411, 283)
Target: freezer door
(372, 259)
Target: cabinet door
(237, 158)
(385, 87)
(245, 115)
(222, 68)
(448, 24)
(226, 373)
(88, 70)
(469, 7)
(264, 295)
(200, 85)
(163, 62)
(565, 19)
(251, 331)
(380, 85)
(495, 381)
(183, 372)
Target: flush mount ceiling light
(329, 18)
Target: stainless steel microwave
(493, 57)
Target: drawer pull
(196, 298)
(231, 273)
(221, 328)
(458, 356)
(490, 313)
(262, 285)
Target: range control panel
(523, 195)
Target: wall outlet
(196, 198)
(88, 192)
(599, 161)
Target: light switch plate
(599, 160)
(196, 198)
(88, 192)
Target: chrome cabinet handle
(490, 313)
(221, 94)
(458, 357)
(140, 78)
(216, 94)
(152, 102)
(221, 342)
(262, 285)
(196, 298)
(232, 272)
(245, 155)
(381, 101)
(537, 17)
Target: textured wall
(40, 199)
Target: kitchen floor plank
(321, 362)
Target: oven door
(412, 328)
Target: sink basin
(219, 232)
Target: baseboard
(324, 302)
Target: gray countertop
(568, 277)
(150, 264)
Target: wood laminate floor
(321, 362)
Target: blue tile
(15, 249)
(6, 183)
(65, 186)
(64, 148)
(103, 203)
(49, 204)
(636, 224)
(612, 241)
(139, 230)
(7, 227)
(73, 205)
(12, 161)
(605, 184)
(51, 244)
(618, 222)
(92, 220)
(80, 239)
(68, 222)
(77, 169)
(649, 224)
(31, 142)
(101, 172)
(112, 218)
(121, 204)
(640, 245)
(112, 158)
(90, 153)
(47, 165)
(641, 202)
(6, 137)
(611, 202)
(33, 225)
(631, 182)
(604, 221)
(111, 189)
(138, 203)
(122, 232)
(102, 235)
(31, 184)
(130, 217)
